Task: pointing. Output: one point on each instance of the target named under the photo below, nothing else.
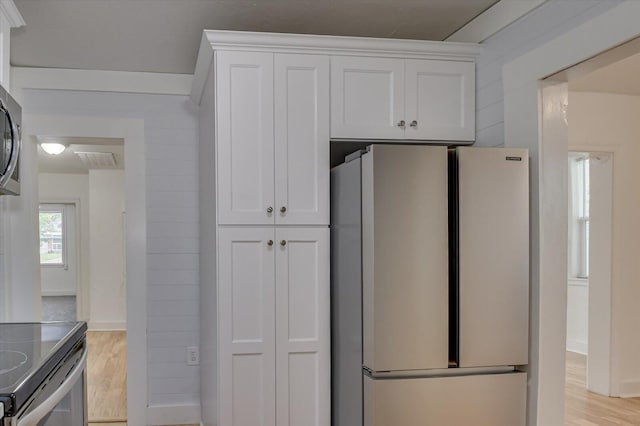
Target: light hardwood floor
(107, 376)
(584, 408)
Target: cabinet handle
(414, 123)
(270, 243)
(269, 210)
(283, 209)
(283, 243)
(401, 123)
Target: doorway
(82, 218)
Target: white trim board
(577, 346)
(494, 19)
(523, 127)
(10, 11)
(173, 414)
(630, 388)
(100, 81)
(107, 325)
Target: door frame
(132, 131)
(82, 293)
(600, 383)
(524, 123)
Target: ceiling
(164, 35)
(622, 77)
(69, 161)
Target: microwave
(10, 142)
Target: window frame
(61, 209)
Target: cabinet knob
(283, 209)
(270, 243)
(401, 123)
(283, 243)
(414, 123)
(269, 210)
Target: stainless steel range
(43, 374)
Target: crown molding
(10, 11)
(323, 45)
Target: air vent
(98, 160)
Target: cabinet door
(302, 327)
(367, 97)
(244, 84)
(247, 326)
(302, 139)
(440, 102)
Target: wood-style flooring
(107, 377)
(584, 408)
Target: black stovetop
(28, 354)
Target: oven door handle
(49, 404)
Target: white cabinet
(246, 289)
(274, 326)
(367, 97)
(385, 98)
(273, 138)
(244, 83)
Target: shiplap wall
(543, 24)
(171, 147)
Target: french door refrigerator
(430, 293)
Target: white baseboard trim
(629, 388)
(51, 293)
(174, 414)
(578, 346)
(107, 325)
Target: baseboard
(50, 293)
(629, 388)
(578, 346)
(107, 325)
(174, 414)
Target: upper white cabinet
(273, 138)
(384, 98)
(302, 139)
(367, 97)
(244, 83)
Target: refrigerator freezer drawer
(492, 399)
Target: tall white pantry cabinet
(269, 104)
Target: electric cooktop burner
(29, 352)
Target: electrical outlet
(193, 355)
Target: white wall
(106, 250)
(578, 315)
(60, 187)
(545, 23)
(172, 287)
(607, 120)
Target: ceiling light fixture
(53, 148)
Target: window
(579, 216)
(52, 235)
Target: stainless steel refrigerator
(430, 286)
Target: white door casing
(244, 85)
(440, 100)
(302, 327)
(302, 139)
(367, 97)
(246, 288)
